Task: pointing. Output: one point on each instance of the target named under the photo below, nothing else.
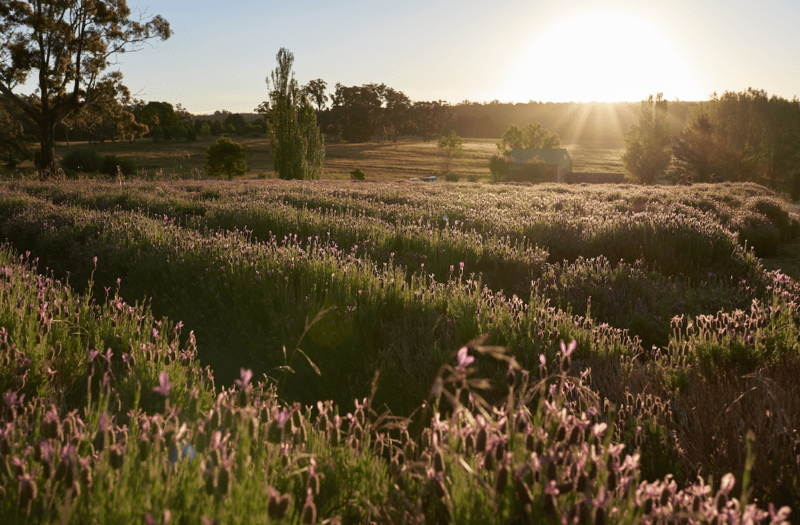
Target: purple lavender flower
(464, 359)
(246, 376)
(163, 387)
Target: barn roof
(558, 156)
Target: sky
(220, 53)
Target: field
(382, 162)
(391, 352)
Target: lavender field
(289, 352)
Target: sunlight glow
(602, 57)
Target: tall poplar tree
(297, 144)
(67, 44)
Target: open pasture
(386, 161)
(683, 344)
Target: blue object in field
(429, 179)
(187, 451)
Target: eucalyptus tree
(66, 45)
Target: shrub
(178, 132)
(358, 174)
(157, 134)
(226, 157)
(81, 160)
(451, 177)
(111, 162)
(191, 135)
(498, 167)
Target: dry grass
(385, 161)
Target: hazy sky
(511, 50)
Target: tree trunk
(47, 167)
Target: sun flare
(600, 57)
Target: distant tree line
(742, 136)
(738, 137)
(374, 112)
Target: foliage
(157, 134)
(358, 112)
(498, 167)
(13, 144)
(451, 177)
(226, 157)
(429, 119)
(532, 136)
(67, 45)
(762, 133)
(397, 279)
(358, 174)
(173, 444)
(648, 153)
(297, 144)
(155, 113)
(191, 135)
(112, 165)
(81, 161)
(453, 147)
(177, 132)
(236, 120)
(315, 91)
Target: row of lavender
(178, 451)
(249, 293)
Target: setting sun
(603, 57)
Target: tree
(430, 118)
(263, 111)
(226, 157)
(745, 136)
(648, 153)
(356, 110)
(696, 152)
(315, 91)
(297, 144)
(68, 43)
(13, 146)
(452, 145)
(780, 146)
(498, 167)
(157, 134)
(532, 136)
(236, 120)
(398, 107)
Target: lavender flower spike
(163, 387)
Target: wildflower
(278, 504)
(464, 359)
(163, 387)
(246, 376)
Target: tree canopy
(532, 136)
(648, 153)
(226, 157)
(68, 44)
(742, 136)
